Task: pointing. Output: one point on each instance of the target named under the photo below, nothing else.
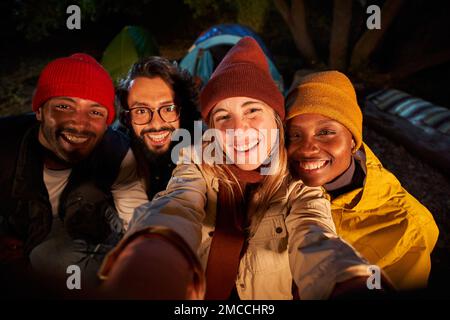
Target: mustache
(85, 133)
(152, 130)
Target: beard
(153, 157)
(154, 167)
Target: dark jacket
(26, 210)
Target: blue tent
(212, 45)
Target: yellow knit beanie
(331, 94)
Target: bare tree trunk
(370, 40)
(342, 18)
(295, 18)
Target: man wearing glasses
(156, 98)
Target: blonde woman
(255, 235)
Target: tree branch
(295, 18)
(371, 39)
(283, 9)
(407, 69)
(342, 18)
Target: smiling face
(319, 148)
(154, 94)
(71, 127)
(247, 129)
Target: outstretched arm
(322, 264)
(157, 258)
(153, 265)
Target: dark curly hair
(186, 97)
(181, 82)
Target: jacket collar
(376, 188)
(344, 179)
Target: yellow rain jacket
(387, 225)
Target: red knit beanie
(79, 76)
(243, 72)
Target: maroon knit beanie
(79, 76)
(243, 72)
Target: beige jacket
(296, 239)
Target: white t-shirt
(128, 191)
(55, 181)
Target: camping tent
(127, 47)
(212, 45)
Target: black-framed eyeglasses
(142, 115)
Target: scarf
(229, 236)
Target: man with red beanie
(69, 183)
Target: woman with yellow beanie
(370, 208)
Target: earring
(353, 146)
